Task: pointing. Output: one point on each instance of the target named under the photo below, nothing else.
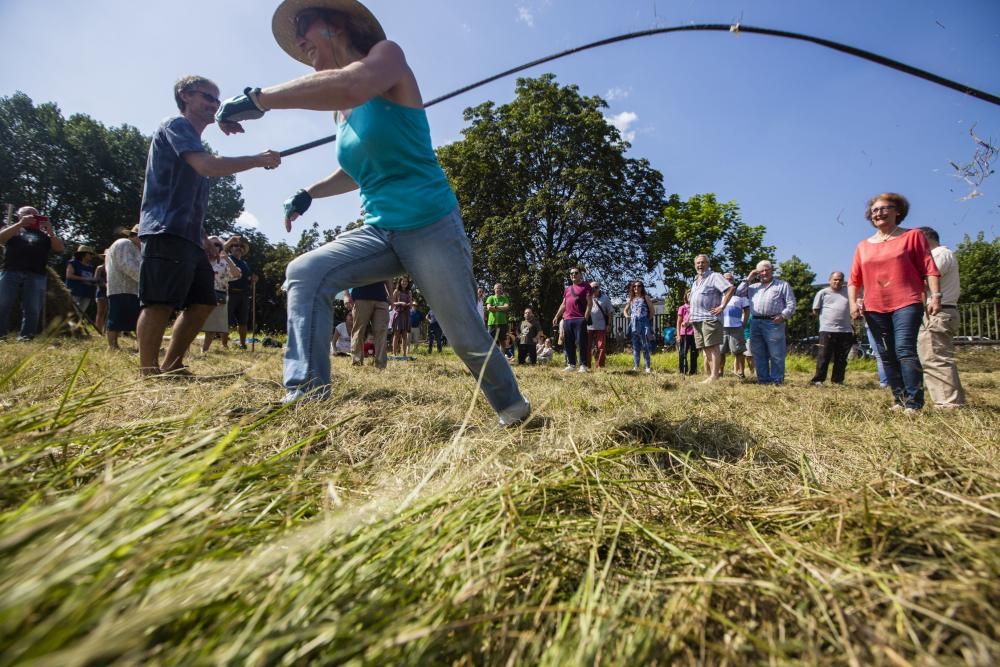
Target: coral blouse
(892, 273)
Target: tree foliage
(544, 183)
(87, 177)
(801, 278)
(703, 225)
(979, 268)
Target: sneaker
(911, 412)
(649, 370)
(514, 415)
(635, 369)
(569, 367)
(896, 407)
(582, 369)
(817, 384)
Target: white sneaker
(514, 415)
(649, 370)
(569, 367)
(635, 369)
(582, 369)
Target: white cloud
(617, 93)
(525, 16)
(248, 219)
(624, 122)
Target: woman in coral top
(887, 289)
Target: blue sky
(798, 135)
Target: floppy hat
(85, 248)
(283, 22)
(237, 240)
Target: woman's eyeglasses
(883, 209)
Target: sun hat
(237, 240)
(85, 248)
(283, 22)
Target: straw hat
(237, 240)
(283, 22)
(85, 248)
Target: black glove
(242, 107)
(297, 203)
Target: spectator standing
(225, 271)
(935, 342)
(371, 309)
(639, 311)
(122, 264)
(240, 290)
(836, 334)
(734, 322)
(710, 294)
(27, 244)
(497, 309)
(886, 287)
(399, 318)
(481, 303)
(600, 318)
(526, 340)
(101, 295)
(687, 351)
(175, 273)
(574, 310)
(772, 303)
(434, 332)
(80, 277)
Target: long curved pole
(704, 27)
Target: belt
(758, 316)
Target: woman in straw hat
(411, 214)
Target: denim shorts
(174, 272)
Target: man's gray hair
(765, 262)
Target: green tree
(800, 277)
(544, 183)
(979, 268)
(703, 225)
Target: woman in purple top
(399, 319)
(687, 351)
(639, 310)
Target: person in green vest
(497, 306)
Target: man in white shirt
(935, 345)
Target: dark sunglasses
(205, 96)
(305, 19)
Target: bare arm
(726, 296)
(211, 166)
(337, 183)
(562, 308)
(855, 301)
(934, 305)
(345, 88)
(10, 231)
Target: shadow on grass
(714, 439)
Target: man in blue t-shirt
(175, 273)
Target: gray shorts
(733, 342)
(707, 333)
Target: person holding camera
(225, 271)
(28, 243)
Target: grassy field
(635, 520)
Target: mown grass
(635, 519)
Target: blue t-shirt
(373, 292)
(77, 288)
(243, 282)
(386, 148)
(732, 316)
(175, 196)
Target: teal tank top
(386, 148)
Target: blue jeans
(640, 340)
(439, 259)
(31, 287)
(882, 379)
(767, 345)
(575, 341)
(896, 339)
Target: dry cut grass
(634, 520)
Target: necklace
(882, 237)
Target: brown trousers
(376, 313)
(937, 355)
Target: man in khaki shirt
(935, 346)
